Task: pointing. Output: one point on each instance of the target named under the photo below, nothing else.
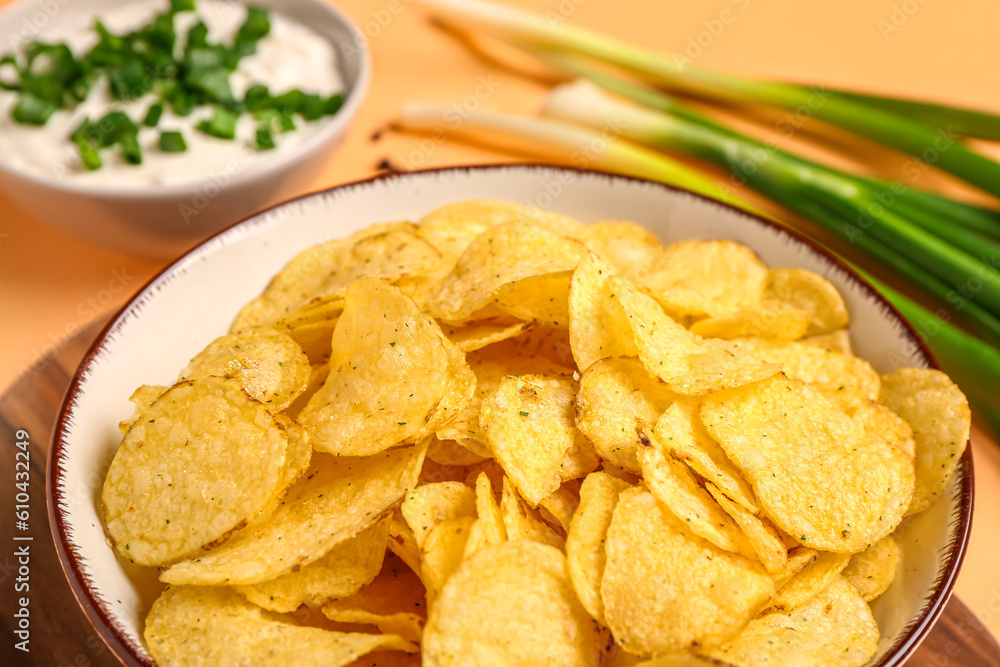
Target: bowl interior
(195, 299)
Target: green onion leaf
(212, 83)
(130, 149)
(256, 26)
(289, 102)
(114, 127)
(172, 142)
(182, 6)
(129, 81)
(257, 98)
(265, 139)
(88, 154)
(32, 110)
(153, 115)
(313, 107)
(197, 36)
(221, 125)
(333, 104)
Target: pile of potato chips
(500, 437)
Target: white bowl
(196, 298)
(158, 221)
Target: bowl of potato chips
(510, 415)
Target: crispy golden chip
(269, 364)
(627, 246)
(478, 215)
(705, 277)
(490, 365)
(835, 629)
(141, 399)
(598, 327)
(317, 376)
(684, 362)
(478, 335)
(394, 377)
(938, 412)
(615, 394)
(559, 506)
(673, 484)
(342, 571)
(798, 558)
(812, 470)
(812, 293)
(808, 582)
(430, 504)
(454, 453)
(872, 571)
(767, 319)
(322, 272)
(403, 544)
(530, 427)
(164, 497)
(835, 341)
(545, 343)
(338, 498)
(585, 539)
(831, 370)
(489, 527)
(393, 602)
(882, 422)
(315, 339)
(191, 625)
(498, 257)
(479, 617)
(543, 299)
(665, 590)
(523, 523)
(761, 534)
(682, 660)
(680, 432)
(443, 552)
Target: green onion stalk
(939, 145)
(973, 363)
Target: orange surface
(52, 285)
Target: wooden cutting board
(62, 635)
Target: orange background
(51, 286)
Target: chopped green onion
(182, 5)
(289, 102)
(197, 36)
(212, 83)
(333, 104)
(129, 81)
(265, 139)
(89, 156)
(221, 125)
(114, 127)
(172, 142)
(257, 98)
(153, 115)
(256, 26)
(313, 107)
(130, 149)
(32, 110)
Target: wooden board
(62, 635)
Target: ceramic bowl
(195, 299)
(164, 221)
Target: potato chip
(543, 299)
(705, 277)
(808, 582)
(443, 552)
(798, 558)
(315, 339)
(477, 335)
(585, 539)
(684, 362)
(680, 433)
(164, 497)
(682, 660)
(674, 485)
(403, 544)
(831, 370)
(835, 629)
(522, 523)
(872, 571)
(882, 422)
(938, 412)
(665, 590)
(323, 272)
(270, 366)
(835, 341)
(393, 602)
(559, 506)
(530, 427)
(543, 343)
(478, 215)
(501, 256)
(190, 625)
(141, 399)
(489, 528)
(479, 618)
(337, 499)
(812, 293)
(627, 246)
(759, 532)
(767, 319)
(812, 470)
(616, 394)
(342, 571)
(317, 376)
(426, 506)
(454, 453)
(598, 327)
(394, 377)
